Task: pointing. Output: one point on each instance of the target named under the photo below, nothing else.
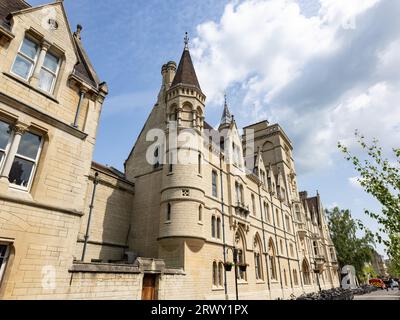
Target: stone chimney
(168, 72)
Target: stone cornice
(41, 205)
(23, 107)
(6, 33)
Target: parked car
(388, 283)
(377, 283)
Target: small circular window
(53, 24)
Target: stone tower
(174, 171)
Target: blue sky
(321, 68)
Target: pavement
(380, 295)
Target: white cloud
(332, 205)
(355, 182)
(320, 76)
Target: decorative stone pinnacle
(77, 33)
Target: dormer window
(26, 59)
(48, 73)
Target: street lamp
(243, 267)
(317, 271)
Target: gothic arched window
(257, 258)
(220, 274)
(213, 226)
(218, 228)
(215, 274)
(306, 272)
(272, 260)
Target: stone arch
(267, 145)
(240, 245)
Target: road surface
(380, 295)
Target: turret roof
(186, 75)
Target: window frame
(218, 225)
(169, 211)
(35, 162)
(214, 184)
(213, 227)
(8, 146)
(253, 204)
(53, 84)
(4, 262)
(24, 56)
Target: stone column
(36, 72)
(82, 92)
(19, 129)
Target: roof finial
(186, 40)
(226, 103)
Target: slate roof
(109, 170)
(84, 68)
(8, 6)
(185, 74)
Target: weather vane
(186, 39)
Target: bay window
(26, 59)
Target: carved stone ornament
(20, 128)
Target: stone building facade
(168, 226)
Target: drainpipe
(286, 245)
(276, 241)
(223, 223)
(95, 183)
(263, 213)
(81, 97)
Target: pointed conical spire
(186, 75)
(227, 117)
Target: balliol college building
(196, 210)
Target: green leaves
(381, 179)
(350, 249)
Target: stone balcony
(315, 236)
(241, 209)
(319, 262)
(301, 229)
